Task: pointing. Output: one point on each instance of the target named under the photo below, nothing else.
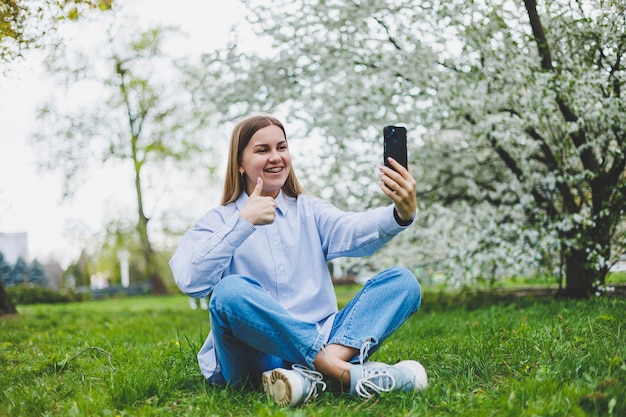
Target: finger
(398, 191)
(404, 204)
(269, 215)
(391, 172)
(392, 179)
(395, 199)
(258, 187)
(398, 167)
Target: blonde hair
(234, 183)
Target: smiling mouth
(274, 170)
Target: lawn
(532, 356)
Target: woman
(262, 257)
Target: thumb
(258, 187)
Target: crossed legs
(248, 322)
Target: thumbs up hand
(260, 209)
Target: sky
(30, 200)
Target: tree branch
(579, 137)
(539, 34)
(389, 36)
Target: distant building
(14, 246)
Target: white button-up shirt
(287, 257)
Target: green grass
(616, 278)
(137, 357)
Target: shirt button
(281, 269)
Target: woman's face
(266, 156)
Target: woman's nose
(274, 155)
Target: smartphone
(394, 139)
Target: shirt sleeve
(206, 251)
(354, 233)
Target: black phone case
(394, 138)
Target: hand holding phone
(394, 140)
(398, 186)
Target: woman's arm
(360, 234)
(207, 250)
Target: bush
(34, 294)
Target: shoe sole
(278, 385)
(420, 381)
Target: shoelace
(365, 347)
(313, 377)
(366, 387)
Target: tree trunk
(584, 276)
(152, 270)
(6, 305)
(579, 277)
(156, 282)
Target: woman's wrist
(400, 221)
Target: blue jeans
(254, 333)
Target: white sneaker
(370, 379)
(292, 387)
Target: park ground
(494, 353)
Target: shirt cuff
(403, 223)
